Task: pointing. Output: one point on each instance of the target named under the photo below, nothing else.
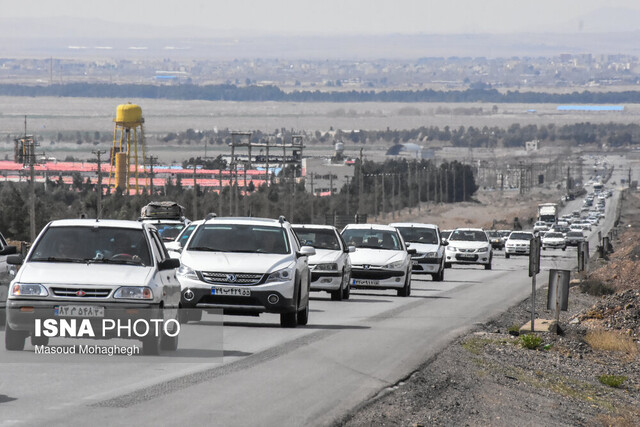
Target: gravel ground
(487, 377)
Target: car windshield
(469, 235)
(521, 236)
(575, 234)
(319, 238)
(553, 235)
(92, 244)
(492, 234)
(240, 238)
(372, 239)
(419, 235)
(445, 234)
(185, 234)
(169, 232)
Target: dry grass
(626, 420)
(611, 341)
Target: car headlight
(279, 276)
(431, 255)
(134, 292)
(452, 248)
(483, 250)
(28, 290)
(327, 267)
(187, 272)
(394, 265)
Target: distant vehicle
(504, 234)
(330, 266)
(167, 217)
(518, 243)
(5, 278)
(553, 240)
(246, 266)
(469, 246)
(574, 237)
(444, 234)
(548, 213)
(106, 269)
(495, 239)
(175, 247)
(540, 226)
(381, 259)
(429, 246)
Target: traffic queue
(167, 268)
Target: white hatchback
(381, 259)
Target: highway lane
(350, 351)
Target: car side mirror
(9, 250)
(307, 251)
(168, 264)
(15, 259)
(411, 251)
(352, 248)
(445, 242)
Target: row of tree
(376, 188)
(230, 92)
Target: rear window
(521, 236)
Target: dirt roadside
(589, 375)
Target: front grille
(81, 292)
(231, 278)
(375, 274)
(230, 300)
(472, 258)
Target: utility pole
(360, 184)
(384, 197)
(393, 197)
(313, 198)
(348, 191)
(629, 180)
(375, 197)
(99, 207)
(195, 191)
(152, 161)
(331, 192)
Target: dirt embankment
(588, 375)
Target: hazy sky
(331, 17)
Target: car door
(167, 277)
(345, 260)
(302, 268)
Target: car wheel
(347, 290)
(14, 340)
(289, 320)
(507, 256)
(39, 340)
(447, 265)
(303, 315)
(564, 249)
(170, 343)
(3, 316)
(439, 277)
(488, 266)
(151, 346)
(195, 315)
(337, 295)
(405, 291)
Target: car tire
(338, 294)
(14, 340)
(289, 320)
(151, 346)
(564, 249)
(195, 315)
(488, 266)
(346, 292)
(507, 256)
(303, 315)
(170, 343)
(447, 265)
(3, 316)
(39, 340)
(405, 291)
(439, 277)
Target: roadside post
(558, 295)
(534, 269)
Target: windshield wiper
(369, 247)
(134, 261)
(57, 259)
(204, 248)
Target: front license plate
(236, 292)
(78, 311)
(363, 282)
(466, 256)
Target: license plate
(78, 311)
(236, 292)
(467, 256)
(363, 282)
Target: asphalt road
(314, 375)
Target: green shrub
(612, 380)
(530, 341)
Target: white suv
(247, 266)
(469, 246)
(330, 266)
(426, 240)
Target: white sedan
(518, 243)
(469, 246)
(381, 259)
(330, 266)
(554, 240)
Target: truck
(548, 213)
